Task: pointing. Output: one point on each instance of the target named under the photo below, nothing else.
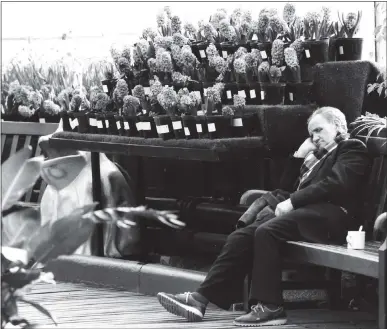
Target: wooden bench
(16, 135)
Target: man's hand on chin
(283, 207)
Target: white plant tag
(186, 131)
(202, 53)
(307, 53)
(197, 92)
(99, 124)
(143, 111)
(341, 50)
(262, 94)
(252, 93)
(242, 93)
(263, 54)
(146, 126)
(229, 95)
(205, 91)
(237, 122)
(42, 120)
(93, 122)
(224, 53)
(147, 90)
(162, 129)
(118, 124)
(105, 88)
(291, 97)
(199, 128)
(126, 125)
(255, 37)
(177, 125)
(74, 123)
(139, 126)
(211, 127)
(201, 112)
(107, 123)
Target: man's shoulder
(352, 144)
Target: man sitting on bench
(319, 209)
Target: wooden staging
(82, 306)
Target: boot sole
(277, 322)
(173, 306)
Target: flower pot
(101, 126)
(164, 127)
(211, 74)
(272, 93)
(219, 126)
(11, 117)
(298, 93)
(189, 124)
(229, 91)
(315, 51)
(199, 50)
(130, 126)
(292, 74)
(265, 50)
(66, 120)
(332, 50)
(348, 49)
(108, 86)
(48, 118)
(251, 92)
(111, 124)
(119, 119)
(81, 121)
(146, 127)
(165, 78)
(245, 125)
(177, 126)
(227, 48)
(92, 123)
(201, 126)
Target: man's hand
(306, 147)
(283, 207)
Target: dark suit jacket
(338, 179)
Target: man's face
(321, 131)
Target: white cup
(356, 239)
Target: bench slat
(38, 151)
(15, 140)
(338, 257)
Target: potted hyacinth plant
(130, 117)
(167, 98)
(347, 47)
(297, 92)
(164, 66)
(109, 83)
(99, 102)
(189, 103)
(260, 29)
(18, 97)
(49, 112)
(272, 92)
(206, 35)
(79, 107)
(252, 91)
(218, 126)
(317, 30)
(243, 123)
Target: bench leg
(334, 289)
(246, 293)
(382, 286)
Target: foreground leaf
(39, 308)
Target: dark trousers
(259, 247)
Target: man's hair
(334, 116)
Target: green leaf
(62, 236)
(39, 308)
(20, 279)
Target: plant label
(307, 53)
(105, 88)
(262, 94)
(237, 122)
(197, 93)
(186, 131)
(252, 93)
(107, 123)
(211, 127)
(143, 111)
(229, 95)
(341, 50)
(242, 93)
(163, 129)
(93, 122)
(42, 120)
(201, 112)
(255, 37)
(118, 123)
(202, 53)
(199, 128)
(74, 123)
(224, 53)
(126, 125)
(99, 124)
(205, 91)
(177, 125)
(263, 54)
(291, 97)
(146, 126)
(147, 90)
(166, 85)
(139, 126)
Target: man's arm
(344, 178)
